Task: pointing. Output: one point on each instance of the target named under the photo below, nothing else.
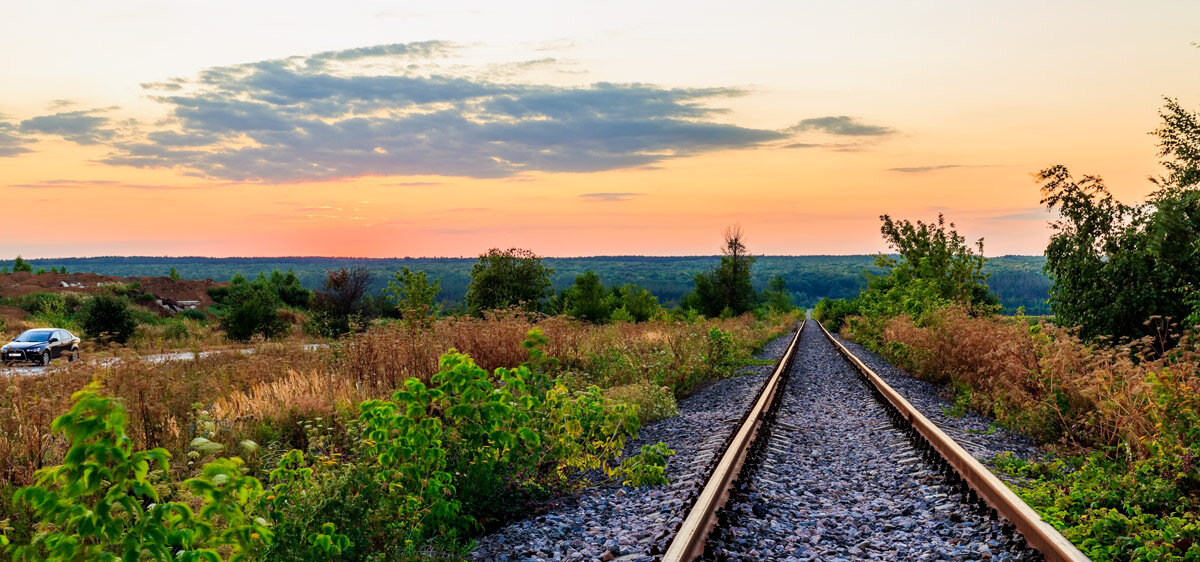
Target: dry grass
(285, 381)
(1045, 381)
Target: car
(40, 346)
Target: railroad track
(836, 464)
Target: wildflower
(254, 535)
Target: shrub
(193, 314)
(414, 297)
(653, 402)
(101, 503)
(833, 312)
(176, 330)
(42, 303)
(639, 303)
(251, 309)
(109, 316)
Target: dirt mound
(14, 285)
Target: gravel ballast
(626, 523)
(978, 434)
(837, 481)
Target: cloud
(1028, 214)
(60, 103)
(327, 116)
(609, 196)
(79, 184)
(835, 146)
(923, 169)
(840, 125)
(417, 183)
(82, 127)
(10, 142)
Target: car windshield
(33, 335)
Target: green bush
(107, 315)
(193, 314)
(42, 303)
(833, 312)
(176, 330)
(102, 504)
(1113, 509)
(249, 309)
(653, 402)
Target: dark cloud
(10, 142)
(613, 196)
(82, 127)
(307, 119)
(923, 169)
(841, 125)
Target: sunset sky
(445, 128)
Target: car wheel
(46, 357)
(74, 355)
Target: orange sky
(579, 130)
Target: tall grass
(1045, 381)
(1123, 417)
(267, 394)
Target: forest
(1018, 281)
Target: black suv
(40, 346)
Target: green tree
(251, 308)
(1114, 266)
(415, 297)
(504, 278)
(726, 290)
(20, 265)
(174, 274)
(938, 256)
(108, 315)
(588, 300)
(1179, 142)
(777, 296)
(288, 288)
(639, 303)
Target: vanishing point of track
(938, 461)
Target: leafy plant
(647, 468)
(415, 297)
(108, 315)
(101, 503)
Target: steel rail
(690, 539)
(1036, 532)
